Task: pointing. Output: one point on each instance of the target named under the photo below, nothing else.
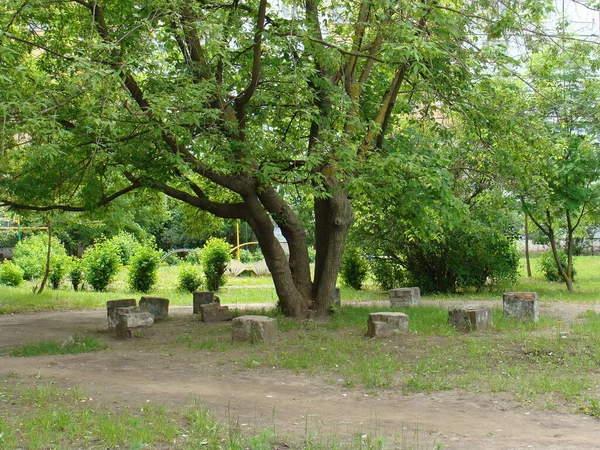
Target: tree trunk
(561, 270)
(48, 255)
(333, 216)
(527, 246)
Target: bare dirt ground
(138, 370)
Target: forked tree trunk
(48, 257)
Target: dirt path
(132, 372)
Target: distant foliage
(76, 273)
(354, 268)
(143, 270)
(30, 254)
(188, 278)
(388, 273)
(214, 258)
(248, 257)
(548, 265)
(101, 264)
(10, 274)
(58, 271)
(193, 257)
(126, 245)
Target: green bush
(143, 269)
(193, 257)
(30, 255)
(354, 268)
(214, 258)
(58, 271)
(388, 273)
(188, 278)
(10, 274)
(76, 273)
(101, 264)
(548, 265)
(126, 245)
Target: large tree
(228, 107)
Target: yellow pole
(237, 236)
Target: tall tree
(225, 105)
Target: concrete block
(214, 312)
(470, 319)
(404, 297)
(203, 298)
(386, 324)
(521, 305)
(157, 306)
(131, 318)
(254, 329)
(111, 310)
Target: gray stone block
(111, 310)
(157, 306)
(404, 297)
(214, 312)
(470, 319)
(521, 305)
(131, 318)
(204, 298)
(254, 329)
(386, 324)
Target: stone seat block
(214, 312)
(386, 324)
(131, 318)
(521, 305)
(111, 310)
(203, 298)
(157, 306)
(404, 296)
(470, 319)
(254, 329)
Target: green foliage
(10, 274)
(58, 271)
(388, 273)
(126, 245)
(214, 257)
(193, 257)
(248, 256)
(101, 264)
(76, 273)
(354, 268)
(548, 265)
(188, 278)
(30, 255)
(143, 269)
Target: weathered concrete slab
(470, 319)
(521, 305)
(386, 324)
(254, 329)
(203, 298)
(157, 306)
(404, 297)
(214, 312)
(111, 310)
(130, 319)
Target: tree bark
(527, 246)
(48, 256)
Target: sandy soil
(138, 370)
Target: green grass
(78, 344)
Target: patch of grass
(77, 344)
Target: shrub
(188, 279)
(193, 257)
(143, 269)
(76, 273)
(126, 245)
(354, 268)
(548, 265)
(30, 255)
(58, 271)
(387, 272)
(10, 274)
(214, 259)
(101, 264)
